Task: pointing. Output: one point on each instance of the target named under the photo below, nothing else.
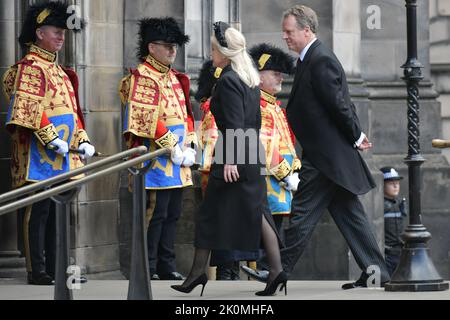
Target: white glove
(177, 155)
(189, 157)
(61, 146)
(291, 182)
(89, 150)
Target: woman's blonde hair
(236, 51)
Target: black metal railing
(62, 190)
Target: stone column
(347, 47)
(98, 57)
(440, 60)
(384, 51)
(440, 71)
(9, 52)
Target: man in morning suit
(333, 173)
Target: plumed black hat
(55, 14)
(206, 80)
(159, 29)
(390, 174)
(269, 57)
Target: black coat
(324, 120)
(231, 214)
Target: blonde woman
(234, 214)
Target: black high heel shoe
(203, 279)
(272, 287)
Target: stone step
(12, 265)
(12, 262)
(13, 273)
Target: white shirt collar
(305, 50)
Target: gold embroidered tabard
(41, 88)
(152, 94)
(208, 136)
(276, 139)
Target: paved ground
(214, 290)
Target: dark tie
(297, 70)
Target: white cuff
(360, 140)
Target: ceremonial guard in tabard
(158, 114)
(279, 142)
(46, 123)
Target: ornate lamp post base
(416, 271)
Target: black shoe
(203, 279)
(223, 274)
(360, 283)
(80, 280)
(155, 276)
(172, 276)
(235, 271)
(272, 287)
(259, 275)
(41, 279)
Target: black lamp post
(416, 271)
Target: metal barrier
(139, 282)
(66, 176)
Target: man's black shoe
(229, 271)
(41, 279)
(259, 275)
(357, 284)
(171, 276)
(80, 280)
(360, 283)
(223, 273)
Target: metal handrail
(73, 184)
(139, 283)
(65, 176)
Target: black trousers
(317, 193)
(162, 228)
(40, 237)
(392, 257)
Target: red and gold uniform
(158, 114)
(207, 137)
(278, 141)
(43, 106)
